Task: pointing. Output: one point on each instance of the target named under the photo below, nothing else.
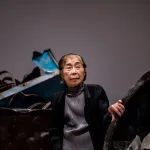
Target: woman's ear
(61, 76)
(84, 75)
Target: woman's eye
(68, 68)
(78, 66)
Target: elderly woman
(81, 113)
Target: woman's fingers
(117, 108)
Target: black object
(25, 100)
(34, 74)
(135, 120)
(7, 81)
(25, 129)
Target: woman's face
(73, 72)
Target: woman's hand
(116, 108)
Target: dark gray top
(76, 134)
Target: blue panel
(45, 86)
(46, 61)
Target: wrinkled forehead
(72, 58)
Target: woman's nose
(73, 70)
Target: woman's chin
(74, 84)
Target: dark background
(113, 37)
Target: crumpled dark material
(132, 129)
(25, 129)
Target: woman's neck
(75, 90)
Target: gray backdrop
(112, 37)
